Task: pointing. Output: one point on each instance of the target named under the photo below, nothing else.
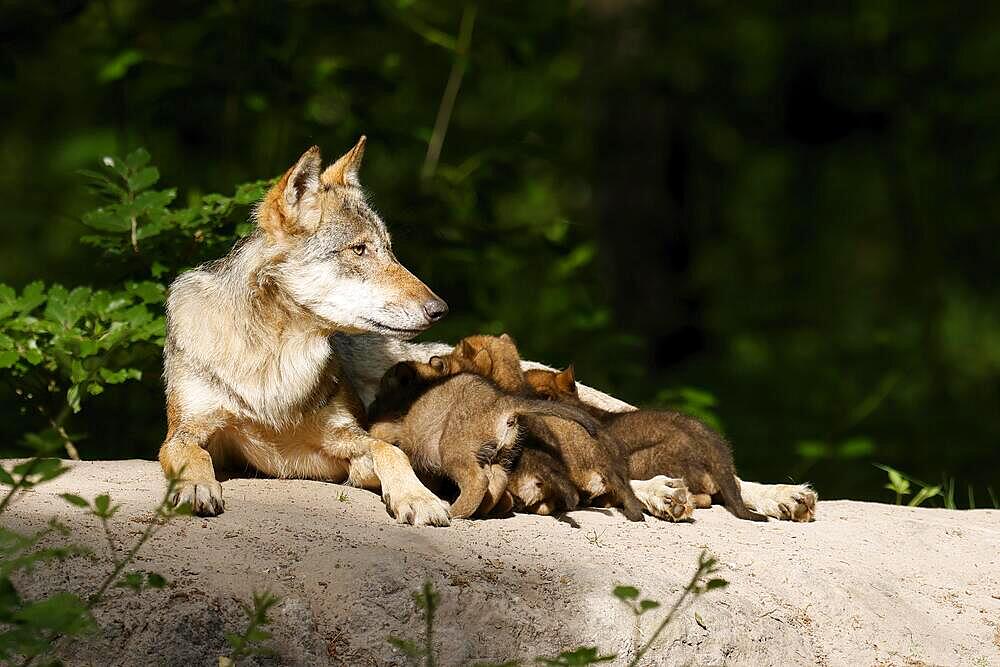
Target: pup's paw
(419, 507)
(204, 497)
(789, 502)
(664, 497)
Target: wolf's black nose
(435, 309)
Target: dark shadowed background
(780, 217)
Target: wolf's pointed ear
(303, 178)
(292, 205)
(345, 170)
(438, 364)
(566, 380)
(465, 350)
(507, 338)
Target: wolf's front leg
(375, 464)
(792, 502)
(184, 457)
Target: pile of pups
(512, 440)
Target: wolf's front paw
(418, 507)
(790, 502)
(205, 498)
(664, 497)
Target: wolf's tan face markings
(337, 260)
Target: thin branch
(450, 93)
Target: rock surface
(865, 584)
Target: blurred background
(781, 218)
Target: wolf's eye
(360, 249)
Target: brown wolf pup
(540, 484)
(460, 426)
(597, 465)
(254, 374)
(661, 443)
(493, 357)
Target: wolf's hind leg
(791, 502)
(495, 491)
(183, 456)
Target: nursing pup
(661, 443)
(597, 465)
(460, 426)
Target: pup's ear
(566, 380)
(466, 350)
(507, 338)
(345, 170)
(438, 364)
(291, 206)
(483, 362)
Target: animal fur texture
(252, 377)
(594, 462)
(273, 351)
(666, 442)
(461, 426)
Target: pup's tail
(732, 498)
(534, 406)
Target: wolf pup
(597, 465)
(667, 443)
(252, 375)
(462, 427)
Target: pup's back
(594, 463)
(461, 426)
(663, 442)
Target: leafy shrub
(138, 221)
(32, 628)
(60, 346)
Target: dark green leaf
(143, 179)
(626, 592)
(63, 613)
(712, 584)
(137, 159)
(74, 499)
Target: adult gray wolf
(272, 352)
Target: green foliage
(31, 628)
(427, 600)
(58, 347)
(135, 219)
(585, 655)
(900, 484)
(252, 640)
(698, 585)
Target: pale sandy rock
(865, 584)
